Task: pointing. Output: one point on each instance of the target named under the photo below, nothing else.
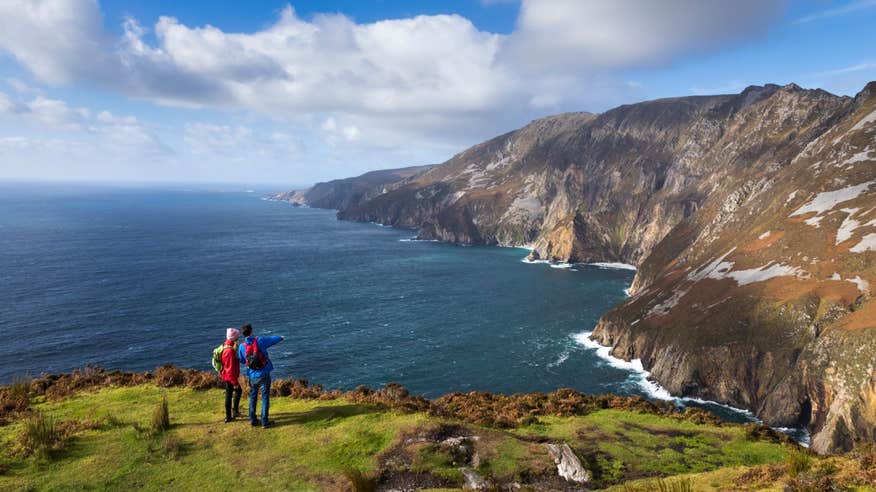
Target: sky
(288, 94)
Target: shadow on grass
(321, 416)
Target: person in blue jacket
(259, 379)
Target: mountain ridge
(712, 198)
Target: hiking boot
(255, 423)
(268, 424)
(229, 419)
(237, 414)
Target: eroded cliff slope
(752, 218)
(763, 298)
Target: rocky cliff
(340, 194)
(751, 217)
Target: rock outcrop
(568, 465)
(751, 218)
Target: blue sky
(292, 93)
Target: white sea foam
(800, 435)
(562, 266)
(563, 357)
(641, 376)
(613, 265)
(417, 240)
(533, 262)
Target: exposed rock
(462, 450)
(473, 481)
(568, 465)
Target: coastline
(655, 391)
(637, 372)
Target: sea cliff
(751, 220)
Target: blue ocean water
(132, 278)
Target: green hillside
(105, 439)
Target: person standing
(253, 354)
(230, 374)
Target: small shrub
(161, 417)
(41, 437)
(798, 462)
(171, 447)
(15, 397)
(359, 482)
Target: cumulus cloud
(437, 63)
(570, 34)
(237, 142)
(432, 81)
(58, 40)
(102, 132)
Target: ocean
(135, 277)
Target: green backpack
(217, 356)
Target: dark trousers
(236, 391)
(255, 384)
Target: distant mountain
(340, 194)
(751, 218)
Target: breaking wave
(613, 265)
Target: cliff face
(751, 217)
(762, 299)
(341, 194)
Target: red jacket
(230, 365)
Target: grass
(41, 437)
(798, 462)
(161, 417)
(340, 445)
(619, 444)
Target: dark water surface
(132, 278)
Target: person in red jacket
(230, 373)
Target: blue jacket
(264, 343)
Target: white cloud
(571, 34)
(58, 40)
(52, 125)
(239, 143)
(837, 11)
(415, 88)
(329, 125)
(351, 132)
(438, 63)
(206, 138)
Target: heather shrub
(15, 397)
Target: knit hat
(232, 334)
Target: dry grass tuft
(160, 417)
(41, 437)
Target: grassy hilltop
(101, 430)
